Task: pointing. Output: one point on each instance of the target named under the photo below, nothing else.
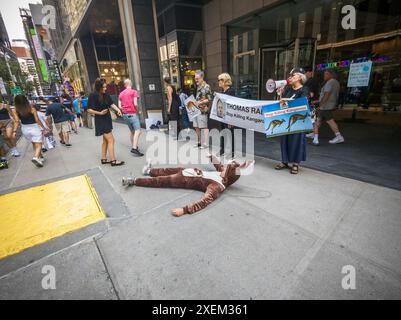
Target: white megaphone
(272, 85)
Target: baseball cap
(297, 70)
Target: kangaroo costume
(212, 183)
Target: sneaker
(316, 142)
(137, 153)
(37, 162)
(42, 159)
(62, 142)
(15, 152)
(197, 145)
(146, 169)
(44, 150)
(3, 165)
(128, 182)
(337, 139)
(310, 135)
(68, 145)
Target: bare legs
(203, 136)
(108, 146)
(37, 149)
(135, 138)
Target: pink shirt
(127, 101)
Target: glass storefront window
(310, 33)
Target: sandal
(282, 166)
(116, 163)
(295, 169)
(105, 161)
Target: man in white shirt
(328, 101)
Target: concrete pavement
(270, 236)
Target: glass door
(277, 62)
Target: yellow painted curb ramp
(37, 215)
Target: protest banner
(287, 117)
(192, 109)
(241, 113)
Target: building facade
(111, 39)
(260, 39)
(27, 64)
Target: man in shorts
(328, 102)
(60, 115)
(128, 104)
(204, 99)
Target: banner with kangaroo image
(287, 117)
(241, 113)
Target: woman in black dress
(293, 147)
(174, 103)
(99, 103)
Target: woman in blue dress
(293, 147)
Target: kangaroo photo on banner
(241, 113)
(287, 117)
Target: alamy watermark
(348, 22)
(49, 280)
(349, 280)
(164, 149)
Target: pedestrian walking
(99, 103)
(32, 127)
(68, 103)
(328, 101)
(128, 104)
(59, 114)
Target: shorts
(201, 121)
(132, 120)
(62, 127)
(5, 124)
(325, 115)
(32, 132)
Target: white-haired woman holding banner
(225, 84)
(293, 147)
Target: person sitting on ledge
(212, 183)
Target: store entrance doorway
(278, 60)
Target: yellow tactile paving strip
(34, 216)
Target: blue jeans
(132, 120)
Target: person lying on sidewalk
(212, 183)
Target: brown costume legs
(163, 178)
(162, 172)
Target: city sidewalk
(272, 235)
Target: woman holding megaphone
(293, 147)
